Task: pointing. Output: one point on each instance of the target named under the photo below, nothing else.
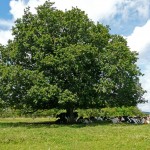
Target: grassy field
(29, 134)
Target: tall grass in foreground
(27, 134)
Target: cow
(64, 117)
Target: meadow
(40, 134)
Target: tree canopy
(65, 60)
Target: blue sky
(124, 27)
(130, 18)
(4, 9)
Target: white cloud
(95, 9)
(130, 13)
(33, 4)
(121, 15)
(139, 40)
(6, 23)
(146, 85)
(107, 9)
(145, 80)
(5, 31)
(138, 7)
(142, 7)
(17, 10)
(5, 35)
(17, 7)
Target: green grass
(29, 134)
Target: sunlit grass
(29, 134)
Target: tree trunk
(70, 113)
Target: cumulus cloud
(146, 85)
(96, 9)
(139, 41)
(17, 10)
(17, 7)
(129, 14)
(5, 31)
(6, 24)
(5, 35)
(121, 15)
(140, 8)
(116, 13)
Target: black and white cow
(64, 117)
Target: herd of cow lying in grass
(63, 118)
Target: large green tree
(65, 60)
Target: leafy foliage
(64, 60)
